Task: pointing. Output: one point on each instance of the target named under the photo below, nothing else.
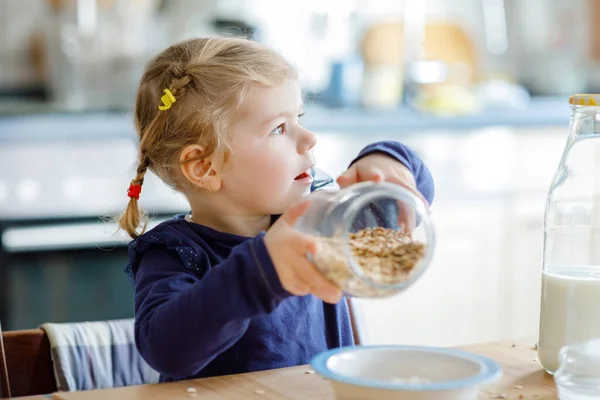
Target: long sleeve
(409, 158)
(183, 320)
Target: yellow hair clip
(167, 99)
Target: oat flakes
(385, 256)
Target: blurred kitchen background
(478, 87)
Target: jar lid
(585, 100)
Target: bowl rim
(490, 370)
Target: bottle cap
(585, 100)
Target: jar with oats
(375, 239)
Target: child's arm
(183, 321)
(396, 163)
(407, 157)
(397, 151)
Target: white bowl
(405, 372)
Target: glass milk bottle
(570, 303)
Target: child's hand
(379, 168)
(288, 248)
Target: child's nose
(307, 141)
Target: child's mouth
(304, 175)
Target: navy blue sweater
(209, 303)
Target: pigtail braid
(178, 86)
(134, 215)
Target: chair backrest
(356, 322)
(26, 363)
(4, 389)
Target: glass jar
(578, 377)
(570, 301)
(375, 239)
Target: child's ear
(199, 170)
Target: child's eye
(280, 130)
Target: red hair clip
(134, 190)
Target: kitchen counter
(540, 112)
(44, 120)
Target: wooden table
(523, 379)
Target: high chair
(25, 364)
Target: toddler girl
(227, 288)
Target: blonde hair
(210, 79)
